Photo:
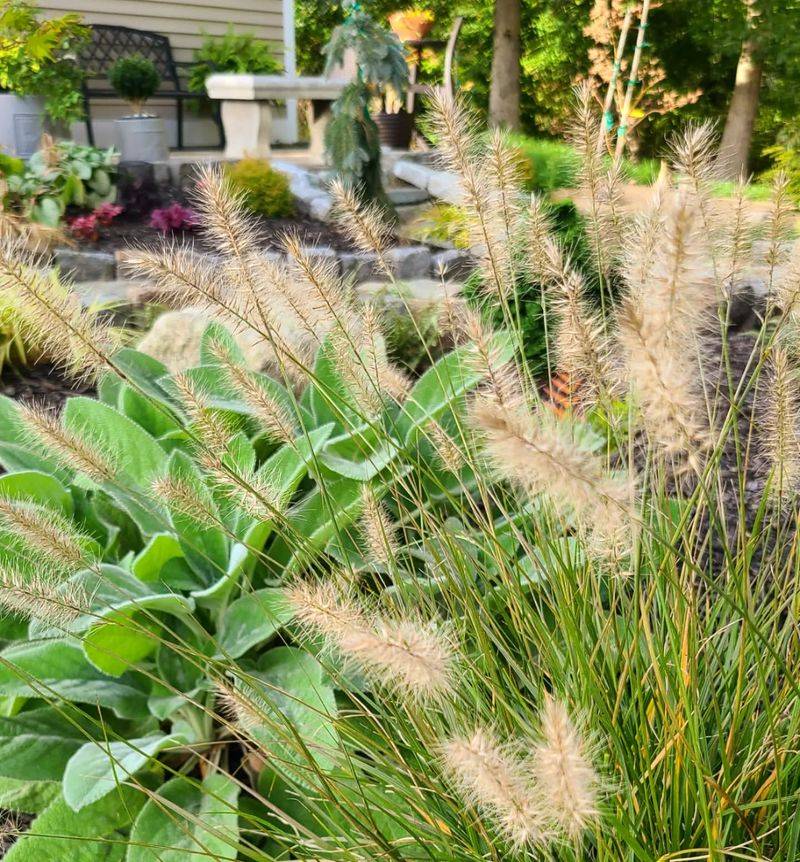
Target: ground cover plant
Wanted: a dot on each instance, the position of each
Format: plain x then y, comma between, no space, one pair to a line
335,613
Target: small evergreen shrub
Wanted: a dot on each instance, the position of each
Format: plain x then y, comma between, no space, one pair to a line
135,79
264,190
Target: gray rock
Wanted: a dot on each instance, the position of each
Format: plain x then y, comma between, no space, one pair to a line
412,173
359,267
446,186
455,263
320,207
86,265
410,261
401,197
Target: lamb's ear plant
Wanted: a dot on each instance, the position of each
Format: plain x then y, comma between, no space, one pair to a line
333,613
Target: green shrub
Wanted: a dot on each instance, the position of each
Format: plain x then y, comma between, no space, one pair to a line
442,223
11,166
37,58
61,175
264,190
232,52
135,79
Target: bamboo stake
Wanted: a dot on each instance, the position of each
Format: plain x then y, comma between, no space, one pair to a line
608,117
622,131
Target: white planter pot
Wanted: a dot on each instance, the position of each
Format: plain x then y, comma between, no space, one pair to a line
142,139
21,124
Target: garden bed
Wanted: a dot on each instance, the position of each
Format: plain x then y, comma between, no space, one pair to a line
43,384
125,232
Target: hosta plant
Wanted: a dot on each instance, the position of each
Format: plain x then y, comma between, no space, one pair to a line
333,613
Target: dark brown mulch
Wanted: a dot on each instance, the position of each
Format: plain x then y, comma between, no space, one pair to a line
11,824
42,384
124,233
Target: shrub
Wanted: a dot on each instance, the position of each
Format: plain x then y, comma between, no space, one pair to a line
37,58
233,52
135,79
337,613
62,175
264,190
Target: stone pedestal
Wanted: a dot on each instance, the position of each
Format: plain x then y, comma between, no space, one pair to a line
246,113
248,127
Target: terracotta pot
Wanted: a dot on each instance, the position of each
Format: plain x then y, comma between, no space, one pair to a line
394,130
410,25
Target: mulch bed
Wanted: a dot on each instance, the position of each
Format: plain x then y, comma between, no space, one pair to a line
42,384
126,232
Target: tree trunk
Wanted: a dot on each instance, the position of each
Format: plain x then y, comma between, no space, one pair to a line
505,87
738,133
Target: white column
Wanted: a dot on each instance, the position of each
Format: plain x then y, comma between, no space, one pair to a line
290,67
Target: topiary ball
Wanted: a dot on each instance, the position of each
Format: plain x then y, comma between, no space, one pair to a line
135,79
264,190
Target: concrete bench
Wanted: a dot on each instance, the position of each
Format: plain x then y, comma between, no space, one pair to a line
247,108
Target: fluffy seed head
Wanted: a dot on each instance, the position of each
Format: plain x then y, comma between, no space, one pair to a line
76,452
181,496
781,440
40,598
412,657
364,224
564,772
52,316
490,777
48,533
378,529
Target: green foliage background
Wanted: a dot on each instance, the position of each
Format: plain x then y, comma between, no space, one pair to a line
699,45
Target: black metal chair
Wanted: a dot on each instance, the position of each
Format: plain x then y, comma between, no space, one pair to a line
108,43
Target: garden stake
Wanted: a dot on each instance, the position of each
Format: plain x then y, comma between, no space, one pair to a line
608,116
632,82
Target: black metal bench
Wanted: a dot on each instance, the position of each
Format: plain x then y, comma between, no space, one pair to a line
108,43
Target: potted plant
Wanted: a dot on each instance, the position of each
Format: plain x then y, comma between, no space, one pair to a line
40,80
141,136
411,24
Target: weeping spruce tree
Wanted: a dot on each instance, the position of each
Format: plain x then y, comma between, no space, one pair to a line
351,138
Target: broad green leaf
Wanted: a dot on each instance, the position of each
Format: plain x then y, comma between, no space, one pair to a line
36,745
298,701
95,834
161,548
144,371
252,619
447,380
99,767
108,389
114,589
312,523
120,641
58,668
360,454
209,828
327,395
36,487
16,794
137,454
146,412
